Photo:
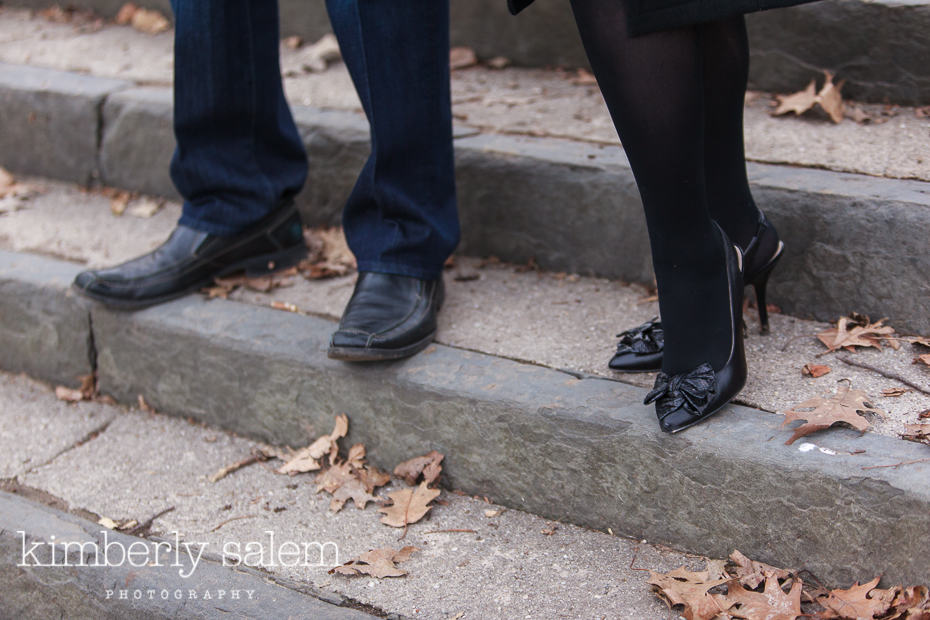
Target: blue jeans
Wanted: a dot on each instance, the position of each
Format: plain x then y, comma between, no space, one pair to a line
239,152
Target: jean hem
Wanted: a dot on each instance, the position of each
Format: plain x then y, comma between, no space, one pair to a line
400,269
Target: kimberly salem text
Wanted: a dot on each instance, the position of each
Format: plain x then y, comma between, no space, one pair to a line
114,550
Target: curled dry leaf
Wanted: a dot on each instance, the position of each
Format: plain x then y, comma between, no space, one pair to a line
583,77
858,335
814,370
689,589
87,391
825,412
144,207
13,195
923,359
329,255
307,459
751,573
799,102
859,601
409,505
917,432
462,57
429,465
124,15
379,563
828,98
772,603
149,22
895,391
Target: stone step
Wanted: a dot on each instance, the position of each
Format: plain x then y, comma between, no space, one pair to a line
878,47
854,242
561,444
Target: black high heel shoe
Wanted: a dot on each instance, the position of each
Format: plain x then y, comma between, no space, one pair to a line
687,398
639,351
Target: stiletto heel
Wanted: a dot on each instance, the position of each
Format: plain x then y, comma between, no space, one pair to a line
759,282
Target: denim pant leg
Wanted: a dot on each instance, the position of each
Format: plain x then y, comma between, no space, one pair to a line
238,151
401,217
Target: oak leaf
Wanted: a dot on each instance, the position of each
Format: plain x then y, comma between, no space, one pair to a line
855,602
690,590
815,370
894,392
429,465
772,603
751,573
825,412
328,255
409,505
87,391
830,99
923,359
379,563
799,102
307,459
869,335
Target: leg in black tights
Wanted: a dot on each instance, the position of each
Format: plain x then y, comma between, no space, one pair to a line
654,88
726,72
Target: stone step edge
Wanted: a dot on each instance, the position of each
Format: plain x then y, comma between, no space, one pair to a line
35,583
583,450
570,206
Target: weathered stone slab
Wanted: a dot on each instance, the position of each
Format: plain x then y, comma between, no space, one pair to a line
44,331
138,141
49,121
71,584
581,450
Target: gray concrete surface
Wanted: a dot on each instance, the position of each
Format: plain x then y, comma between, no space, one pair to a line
877,46
36,428
46,584
45,333
552,319
507,567
50,121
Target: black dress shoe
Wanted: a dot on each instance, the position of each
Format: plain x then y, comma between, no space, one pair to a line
759,259
388,317
190,260
687,398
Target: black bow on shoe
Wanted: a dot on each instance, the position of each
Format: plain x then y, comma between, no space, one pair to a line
688,392
647,338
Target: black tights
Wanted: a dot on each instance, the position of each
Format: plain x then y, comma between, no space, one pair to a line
676,99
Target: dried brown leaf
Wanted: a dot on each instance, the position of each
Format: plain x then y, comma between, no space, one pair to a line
690,590
429,465
462,57
87,391
307,459
799,102
917,432
815,370
379,563
124,15
923,359
149,21
830,99
409,505
895,391
856,602
292,42
499,62
825,412
772,603
329,255
751,573
842,336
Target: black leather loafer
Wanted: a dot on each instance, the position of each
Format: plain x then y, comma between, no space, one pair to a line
388,317
190,259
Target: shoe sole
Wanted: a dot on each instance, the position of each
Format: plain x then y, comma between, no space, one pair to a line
253,267
368,354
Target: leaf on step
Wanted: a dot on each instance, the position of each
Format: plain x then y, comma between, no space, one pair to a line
263,284
119,202
307,459
917,432
429,465
772,603
149,21
379,563
825,412
409,505
14,195
830,99
583,77
329,255
87,391
894,392
923,359
848,334
859,601
125,13
751,573
799,102
922,341
462,57
690,590
814,370
144,207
